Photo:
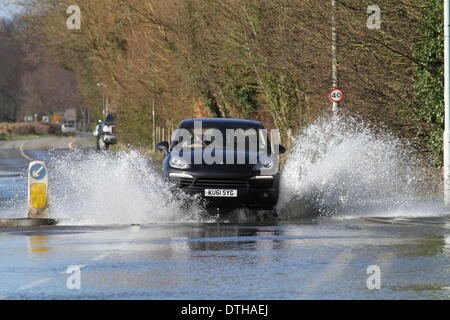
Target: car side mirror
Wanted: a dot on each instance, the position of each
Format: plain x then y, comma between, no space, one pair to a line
281,149
163,146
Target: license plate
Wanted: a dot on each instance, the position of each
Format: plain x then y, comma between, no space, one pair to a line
224,193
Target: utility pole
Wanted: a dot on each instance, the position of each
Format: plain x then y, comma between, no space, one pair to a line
104,99
106,105
447,102
154,126
334,53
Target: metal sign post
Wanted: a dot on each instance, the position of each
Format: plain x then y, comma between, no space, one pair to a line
447,102
334,49
153,126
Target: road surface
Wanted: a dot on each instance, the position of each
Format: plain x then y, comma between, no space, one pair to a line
343,257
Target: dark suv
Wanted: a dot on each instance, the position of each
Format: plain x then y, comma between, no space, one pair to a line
228,162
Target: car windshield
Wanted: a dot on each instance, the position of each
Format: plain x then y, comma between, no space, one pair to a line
222,136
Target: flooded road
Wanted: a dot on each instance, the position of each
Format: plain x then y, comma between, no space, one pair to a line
311,259
123,254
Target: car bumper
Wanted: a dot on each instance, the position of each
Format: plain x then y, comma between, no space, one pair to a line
255,195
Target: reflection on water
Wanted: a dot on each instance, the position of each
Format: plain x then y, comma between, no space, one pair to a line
321,258
37,244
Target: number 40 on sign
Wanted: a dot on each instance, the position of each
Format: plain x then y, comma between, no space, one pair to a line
336,95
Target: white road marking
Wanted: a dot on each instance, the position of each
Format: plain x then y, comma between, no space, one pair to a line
36,173
384,261
102,256
133,231
34,284
23,153
334,269
106,254
338,265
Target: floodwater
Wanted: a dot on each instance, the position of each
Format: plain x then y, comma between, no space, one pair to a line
122,235
310,259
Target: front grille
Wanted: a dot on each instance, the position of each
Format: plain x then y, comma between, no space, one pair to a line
261,184
221,183
182,182
186,182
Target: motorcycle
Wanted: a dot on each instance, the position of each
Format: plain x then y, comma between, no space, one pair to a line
105,133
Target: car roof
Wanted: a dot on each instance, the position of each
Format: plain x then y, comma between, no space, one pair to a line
225,121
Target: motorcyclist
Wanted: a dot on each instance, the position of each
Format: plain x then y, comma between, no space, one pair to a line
105,137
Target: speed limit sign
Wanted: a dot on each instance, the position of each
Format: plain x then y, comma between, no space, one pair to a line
336,95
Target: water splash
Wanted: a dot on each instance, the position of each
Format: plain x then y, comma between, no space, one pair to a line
339,166
93,188
13,195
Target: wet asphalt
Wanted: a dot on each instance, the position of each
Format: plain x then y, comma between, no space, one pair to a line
343,257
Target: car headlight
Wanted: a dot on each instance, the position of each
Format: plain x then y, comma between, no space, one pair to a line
264,163
179,163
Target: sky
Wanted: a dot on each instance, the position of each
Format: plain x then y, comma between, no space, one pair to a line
7,9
